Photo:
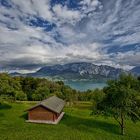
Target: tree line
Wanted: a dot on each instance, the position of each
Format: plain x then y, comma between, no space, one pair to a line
36,89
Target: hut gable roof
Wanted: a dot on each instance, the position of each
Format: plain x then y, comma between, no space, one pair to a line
52,103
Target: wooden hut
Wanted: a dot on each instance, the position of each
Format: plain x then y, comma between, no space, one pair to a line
47,111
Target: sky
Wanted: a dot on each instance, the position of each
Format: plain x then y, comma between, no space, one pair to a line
35,33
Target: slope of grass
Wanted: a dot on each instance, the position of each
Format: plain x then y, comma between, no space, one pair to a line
77,124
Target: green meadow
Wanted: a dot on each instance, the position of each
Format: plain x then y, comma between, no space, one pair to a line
77,124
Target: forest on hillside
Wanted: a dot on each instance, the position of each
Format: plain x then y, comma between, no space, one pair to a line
36,89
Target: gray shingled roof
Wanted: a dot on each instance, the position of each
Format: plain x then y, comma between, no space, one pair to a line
53,103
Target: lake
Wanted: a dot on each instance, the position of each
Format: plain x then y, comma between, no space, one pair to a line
84,85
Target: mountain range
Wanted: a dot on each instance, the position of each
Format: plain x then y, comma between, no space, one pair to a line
135,70
80,71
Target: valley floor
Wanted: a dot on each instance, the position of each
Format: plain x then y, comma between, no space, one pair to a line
77,124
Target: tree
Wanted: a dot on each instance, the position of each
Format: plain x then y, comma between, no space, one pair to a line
121,100
29,85
36,97
41,93
97,96
6,98
20,95
8,85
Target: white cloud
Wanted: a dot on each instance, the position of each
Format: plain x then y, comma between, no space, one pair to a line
35,7
82,34
90,5
128,39
45,54
69,53
42,7
131,58
66,15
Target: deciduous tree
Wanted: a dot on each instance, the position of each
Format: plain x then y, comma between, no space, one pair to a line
121,100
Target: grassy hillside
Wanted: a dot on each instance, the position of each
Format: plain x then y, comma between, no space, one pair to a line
77,124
